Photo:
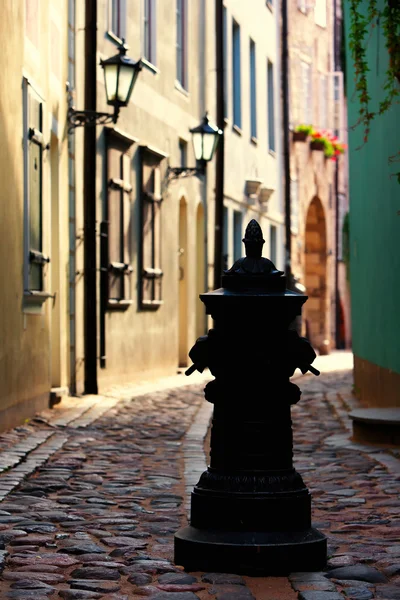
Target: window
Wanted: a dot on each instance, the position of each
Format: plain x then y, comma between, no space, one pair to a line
117,18
151,200
149,31
183,153
225,65
253,99
115,230
272,243
237,235
271,107
181,42
323,102
237,102
35,260
337,94
225,252
306,93
320,12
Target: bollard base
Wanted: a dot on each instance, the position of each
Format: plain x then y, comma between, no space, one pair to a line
250,553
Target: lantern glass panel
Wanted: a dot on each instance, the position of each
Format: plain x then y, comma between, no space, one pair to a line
111,81
209,142
198,145
126,79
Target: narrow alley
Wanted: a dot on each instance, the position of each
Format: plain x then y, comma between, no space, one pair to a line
91,497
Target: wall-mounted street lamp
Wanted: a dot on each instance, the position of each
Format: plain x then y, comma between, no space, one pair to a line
205,139
120,74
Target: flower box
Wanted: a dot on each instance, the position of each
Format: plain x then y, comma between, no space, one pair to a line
300,136
252,186
265,194
317,145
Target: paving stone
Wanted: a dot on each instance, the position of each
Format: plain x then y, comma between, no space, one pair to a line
388,592
124,541
140,578
41,568
175,596
95,586
78,595
223,578
152,567
358,593
341,561
101,573
83,548
312,595
179,578
318,585
359,572
26,595
59,560
231,592
45,577
353,583
32,584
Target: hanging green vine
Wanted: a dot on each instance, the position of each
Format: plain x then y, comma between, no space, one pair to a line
364,17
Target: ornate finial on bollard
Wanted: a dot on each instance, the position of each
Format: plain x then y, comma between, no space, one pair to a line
253,270
253,240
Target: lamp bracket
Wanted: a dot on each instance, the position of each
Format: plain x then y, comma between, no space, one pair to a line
178,172
83,118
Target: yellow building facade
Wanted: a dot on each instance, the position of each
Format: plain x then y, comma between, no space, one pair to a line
34,206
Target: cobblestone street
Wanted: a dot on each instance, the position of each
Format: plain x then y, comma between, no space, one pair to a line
93,491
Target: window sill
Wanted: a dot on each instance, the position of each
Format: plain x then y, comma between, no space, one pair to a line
272,153
254,140
150,67
269,6
33,301
114,38
119,304
237,129
151,304
181,89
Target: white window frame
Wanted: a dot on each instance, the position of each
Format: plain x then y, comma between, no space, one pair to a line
271,106
32,299
253,89
149,54
236,76
182,43
118,33
337,99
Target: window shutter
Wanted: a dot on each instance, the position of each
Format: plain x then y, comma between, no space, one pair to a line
35,187
151,286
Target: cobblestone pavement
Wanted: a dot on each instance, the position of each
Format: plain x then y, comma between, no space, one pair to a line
92,493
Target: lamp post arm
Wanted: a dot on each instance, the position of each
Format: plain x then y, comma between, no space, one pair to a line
81,118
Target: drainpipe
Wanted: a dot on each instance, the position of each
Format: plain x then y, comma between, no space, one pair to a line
286,140
89,204
219,166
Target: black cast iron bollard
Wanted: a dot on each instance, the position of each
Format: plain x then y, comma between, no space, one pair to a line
251,511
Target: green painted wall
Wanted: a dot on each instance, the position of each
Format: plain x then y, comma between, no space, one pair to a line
374,217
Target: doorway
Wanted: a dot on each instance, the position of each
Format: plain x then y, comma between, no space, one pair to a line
200,272
183,292
316,275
